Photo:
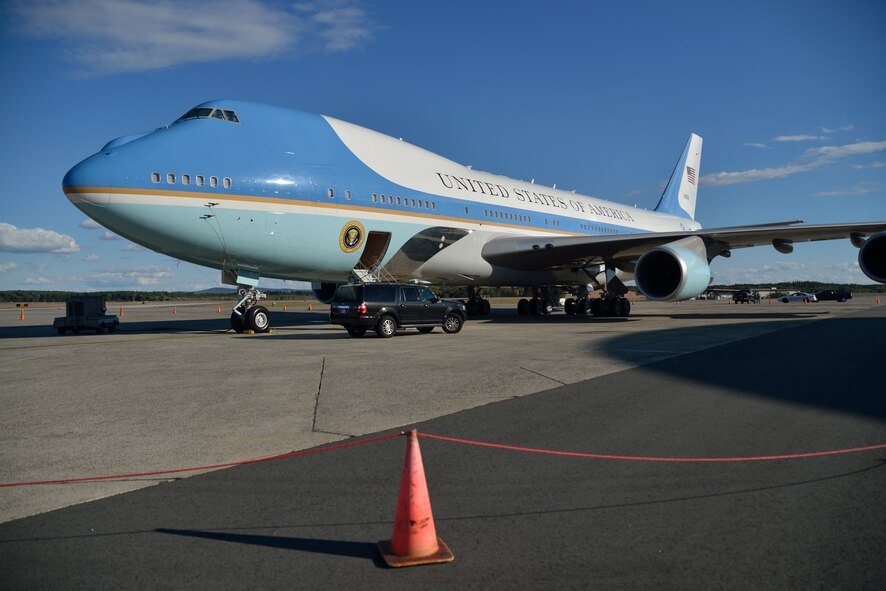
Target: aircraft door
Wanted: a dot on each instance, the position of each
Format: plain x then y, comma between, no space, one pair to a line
374,250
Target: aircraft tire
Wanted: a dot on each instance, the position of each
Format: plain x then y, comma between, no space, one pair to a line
569,306
523,307
236,322
258,319
537,306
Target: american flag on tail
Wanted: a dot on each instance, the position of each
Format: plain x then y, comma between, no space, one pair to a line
690,174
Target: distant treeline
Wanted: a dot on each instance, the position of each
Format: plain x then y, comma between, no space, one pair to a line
443,291
139,296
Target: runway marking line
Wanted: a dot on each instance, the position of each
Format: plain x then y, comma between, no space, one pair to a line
552,452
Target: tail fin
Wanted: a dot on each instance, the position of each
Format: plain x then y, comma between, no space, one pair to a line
679,196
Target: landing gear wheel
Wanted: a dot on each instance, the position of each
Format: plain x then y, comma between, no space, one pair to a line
258,319
425,329
356,331
569,306
523,307
236,322
597,307
537,306
452,323
386,327
625,307
583,306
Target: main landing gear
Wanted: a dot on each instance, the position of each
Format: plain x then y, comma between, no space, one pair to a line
246,315
542,303
605,306
476,304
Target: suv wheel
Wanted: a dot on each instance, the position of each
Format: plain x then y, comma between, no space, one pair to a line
452,323
386,327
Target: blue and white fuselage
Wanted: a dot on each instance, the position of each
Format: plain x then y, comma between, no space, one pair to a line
278,186
262,191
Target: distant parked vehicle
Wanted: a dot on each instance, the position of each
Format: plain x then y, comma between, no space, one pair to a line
799,296
841,295
745,296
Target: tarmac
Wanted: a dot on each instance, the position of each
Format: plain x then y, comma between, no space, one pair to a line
695,379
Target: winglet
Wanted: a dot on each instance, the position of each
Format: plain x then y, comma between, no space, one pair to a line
679,196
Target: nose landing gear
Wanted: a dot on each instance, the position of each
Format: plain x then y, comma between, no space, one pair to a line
246,315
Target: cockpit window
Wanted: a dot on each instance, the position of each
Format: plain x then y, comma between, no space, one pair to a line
207,113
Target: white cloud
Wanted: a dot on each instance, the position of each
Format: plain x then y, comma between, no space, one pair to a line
143,276
813,157
132,246
755,145
859,189
37,280
797,138
108,235
90,224
6,267
871,165
14,239
113,36
91,258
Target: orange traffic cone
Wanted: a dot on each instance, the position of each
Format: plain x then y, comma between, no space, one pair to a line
121,312
174,311
414,540
878,301
22,317
770,301
310,307
219,309
284,307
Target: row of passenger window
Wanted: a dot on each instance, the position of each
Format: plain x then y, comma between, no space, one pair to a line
597,229
506,215
199,180
404,201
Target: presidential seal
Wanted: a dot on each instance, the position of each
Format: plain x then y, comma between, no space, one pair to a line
351,236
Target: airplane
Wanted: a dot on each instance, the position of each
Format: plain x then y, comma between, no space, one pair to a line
260,191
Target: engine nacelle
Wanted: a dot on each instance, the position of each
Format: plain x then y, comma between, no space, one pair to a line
675,271
872,257
324,291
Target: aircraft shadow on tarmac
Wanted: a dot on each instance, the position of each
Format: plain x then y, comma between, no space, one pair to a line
835,364
334,547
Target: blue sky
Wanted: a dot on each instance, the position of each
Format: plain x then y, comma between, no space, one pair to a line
597,97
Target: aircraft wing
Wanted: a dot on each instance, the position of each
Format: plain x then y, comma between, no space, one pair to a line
532,253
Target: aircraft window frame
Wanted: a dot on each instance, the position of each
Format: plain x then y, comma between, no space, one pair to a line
186,179
347,195
398,201
213,181
227,182
155,177
231,116
433,205
200,180
217,114
375,197
170,178
330,193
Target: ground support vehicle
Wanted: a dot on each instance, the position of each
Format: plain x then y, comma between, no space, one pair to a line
85,313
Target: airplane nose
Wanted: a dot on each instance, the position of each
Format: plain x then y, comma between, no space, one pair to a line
85,186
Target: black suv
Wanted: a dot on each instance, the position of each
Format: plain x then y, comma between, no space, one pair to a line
746,296
386,307
841,295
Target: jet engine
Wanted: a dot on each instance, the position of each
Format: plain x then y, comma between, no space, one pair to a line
324,291
675,271
872,257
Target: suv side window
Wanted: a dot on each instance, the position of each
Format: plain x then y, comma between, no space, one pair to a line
409,294
426,294
380,293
